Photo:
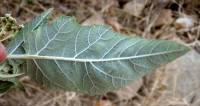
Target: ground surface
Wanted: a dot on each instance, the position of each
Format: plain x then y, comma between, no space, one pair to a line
177,20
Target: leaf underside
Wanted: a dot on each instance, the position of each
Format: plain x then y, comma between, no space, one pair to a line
89,59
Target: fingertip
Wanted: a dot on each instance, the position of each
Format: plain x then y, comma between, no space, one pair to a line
2,53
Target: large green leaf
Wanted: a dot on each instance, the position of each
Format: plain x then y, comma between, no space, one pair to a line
90,59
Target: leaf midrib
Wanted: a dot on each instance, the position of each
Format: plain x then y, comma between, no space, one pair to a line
28,56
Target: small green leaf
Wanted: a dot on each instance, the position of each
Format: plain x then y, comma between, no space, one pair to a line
5,85
89,59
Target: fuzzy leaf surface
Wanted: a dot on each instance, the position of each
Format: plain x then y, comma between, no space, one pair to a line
89,59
